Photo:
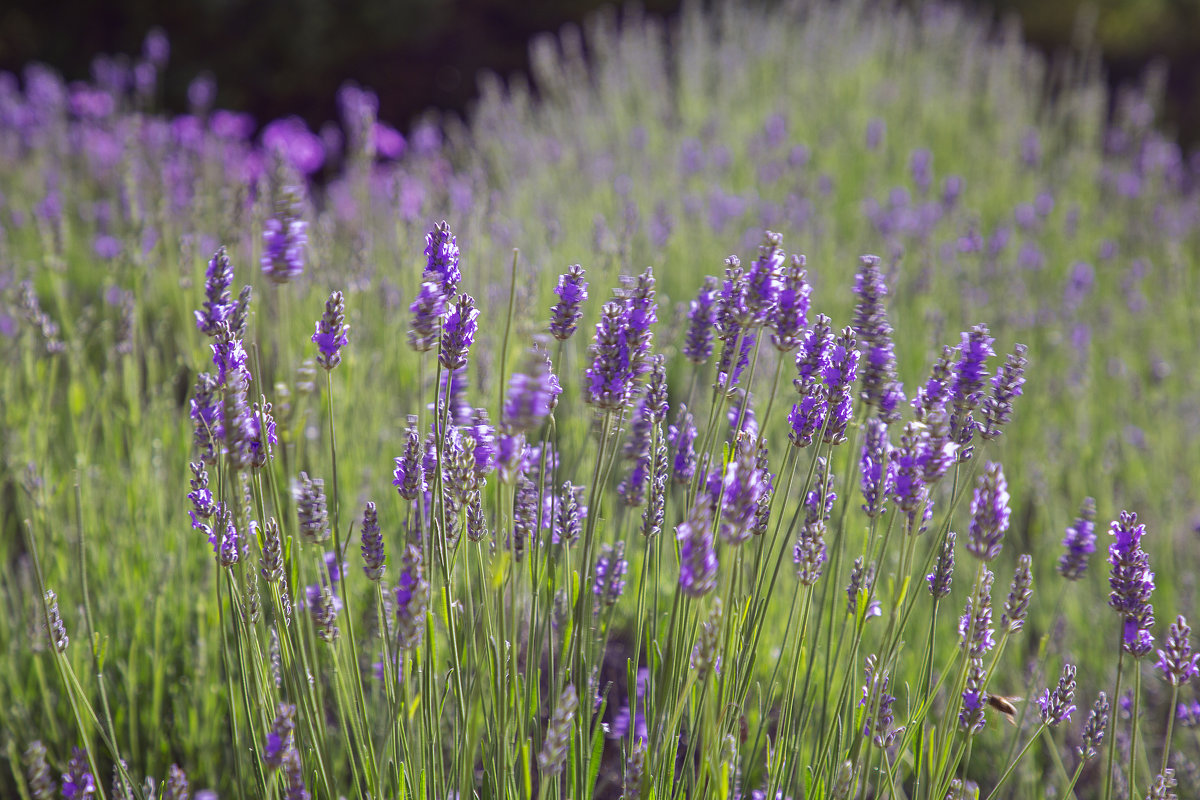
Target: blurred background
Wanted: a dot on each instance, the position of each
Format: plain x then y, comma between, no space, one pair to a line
278,57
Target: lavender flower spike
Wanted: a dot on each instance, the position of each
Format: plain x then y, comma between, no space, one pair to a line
1080,542
1094,729
702,316
1006,387
791,311
874,331
943,573
281,737
553,755
1058,705
427,309
609,375
374,558
441,250
284,238
1132,582
697,558
571,291
989,514
330,336
458,334
1016,608
1177,662
218,303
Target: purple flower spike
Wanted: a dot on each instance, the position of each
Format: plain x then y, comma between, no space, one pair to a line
441,248
702,316
642,312
1058,705
972,718
412,599
975,625
610,574
791,310
989,514
807,416
839,377
874,331
682,438
458,334
78,782
427,309
529,397
281,737
330,336
812,357
571,291
1132,582
742,487
970,373
764,279
1079,543
875,469
609,375
374,557
1177,662
697,558
942,576
218,302
284,238
1006,387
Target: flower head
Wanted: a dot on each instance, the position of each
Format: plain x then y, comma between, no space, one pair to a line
571,291
1132,582
441,250
458,332
1178,664
702,316
1079,543
697,557
989,514
1058,705
330,336
218,302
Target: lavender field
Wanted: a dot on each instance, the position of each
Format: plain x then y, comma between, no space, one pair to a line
799,404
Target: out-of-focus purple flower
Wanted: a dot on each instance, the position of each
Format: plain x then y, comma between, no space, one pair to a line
702,316
697,557
458,332
206,418
1132,583
952,188
1079,543
741,488
37,772
920,164
637,449
1188,714
293,770
740,415
553,755
839,377
975,625
1178,664
291,139
284,239
156,48
1006,387
610,571
571,291
78,782
281,736
943,572
412,599
706,654
989,514
484,434
218,303
427,309
311,509
642,313
937,452
876,128
525,515
791,309
442,266
1016,607
875,468
529,397
389,142
610,375
330,336
682,438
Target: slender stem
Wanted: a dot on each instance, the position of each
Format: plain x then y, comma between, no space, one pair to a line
1112,722
1012,766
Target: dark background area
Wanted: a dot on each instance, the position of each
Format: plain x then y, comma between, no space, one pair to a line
279,57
